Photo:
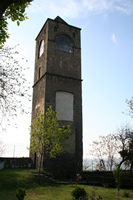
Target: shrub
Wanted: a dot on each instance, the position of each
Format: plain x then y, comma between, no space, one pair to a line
79,193
20,194
93,195
105,185
126,194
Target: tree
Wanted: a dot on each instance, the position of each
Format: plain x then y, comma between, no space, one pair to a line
2,147
105,151
117,172
47,136
130,105
129,151
101,165
86,164
125,136
14,88
14,10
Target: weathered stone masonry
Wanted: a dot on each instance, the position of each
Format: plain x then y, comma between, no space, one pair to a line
58,69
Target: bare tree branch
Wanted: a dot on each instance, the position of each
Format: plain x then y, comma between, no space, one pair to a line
14,88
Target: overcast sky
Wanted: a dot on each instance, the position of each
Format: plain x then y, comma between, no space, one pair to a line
107,63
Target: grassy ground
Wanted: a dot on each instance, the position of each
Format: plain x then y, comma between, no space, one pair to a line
11,179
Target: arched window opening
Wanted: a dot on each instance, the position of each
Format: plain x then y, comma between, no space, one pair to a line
41,48
55,29
64,43
37,108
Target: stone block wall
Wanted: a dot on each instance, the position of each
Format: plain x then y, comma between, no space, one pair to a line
15,163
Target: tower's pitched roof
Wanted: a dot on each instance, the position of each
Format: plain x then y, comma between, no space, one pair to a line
59,19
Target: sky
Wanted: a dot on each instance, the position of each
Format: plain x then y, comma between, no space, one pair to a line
107,64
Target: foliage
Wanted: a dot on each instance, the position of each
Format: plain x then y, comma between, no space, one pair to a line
14,10
105,149
117,172
79,193
126,194
86,164
47,136
2,147
130,105
105,185
14,88
101,165
125,136
93,195
20,194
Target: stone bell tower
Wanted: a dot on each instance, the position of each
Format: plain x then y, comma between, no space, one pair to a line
57,82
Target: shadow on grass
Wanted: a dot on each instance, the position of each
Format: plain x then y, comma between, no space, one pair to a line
11,179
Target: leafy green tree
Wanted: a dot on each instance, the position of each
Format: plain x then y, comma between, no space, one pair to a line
128,153
117,172
14,10
47,136
14,87
125,136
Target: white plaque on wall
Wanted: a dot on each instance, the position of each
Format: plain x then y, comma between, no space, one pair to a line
64,105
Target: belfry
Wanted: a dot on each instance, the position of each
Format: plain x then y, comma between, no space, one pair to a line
57,82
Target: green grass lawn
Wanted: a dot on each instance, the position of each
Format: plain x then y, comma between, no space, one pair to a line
11,179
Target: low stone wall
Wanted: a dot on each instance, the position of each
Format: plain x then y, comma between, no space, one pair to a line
106,178
15,163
